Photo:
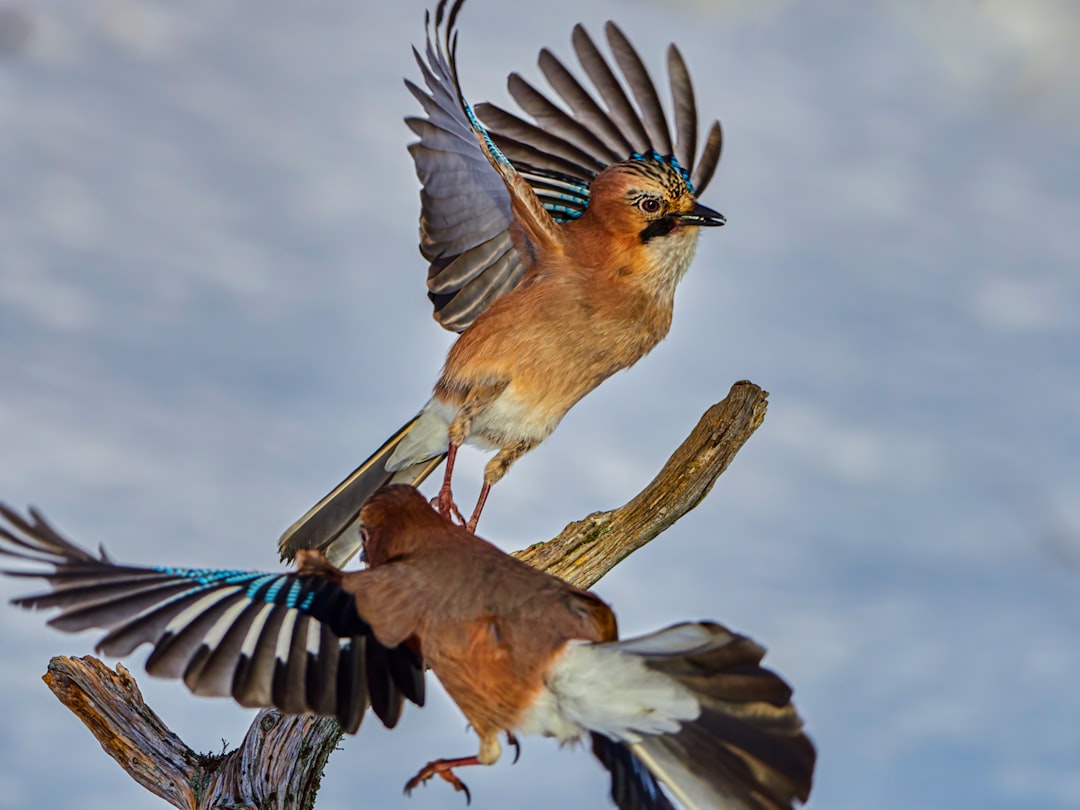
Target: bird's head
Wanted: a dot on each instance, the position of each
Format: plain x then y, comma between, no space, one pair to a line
649,196
397,521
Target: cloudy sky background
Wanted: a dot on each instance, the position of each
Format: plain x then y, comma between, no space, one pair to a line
212,307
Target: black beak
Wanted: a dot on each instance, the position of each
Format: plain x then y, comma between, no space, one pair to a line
702,215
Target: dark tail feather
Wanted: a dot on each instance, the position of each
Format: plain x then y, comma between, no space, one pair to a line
747,748
330,525
633,787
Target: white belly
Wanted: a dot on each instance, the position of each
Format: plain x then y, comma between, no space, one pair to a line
429,437
507,420
602,688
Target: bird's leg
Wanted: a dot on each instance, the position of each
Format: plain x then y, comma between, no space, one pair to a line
475,402
444,502
456,434
444,768
496,469
484,490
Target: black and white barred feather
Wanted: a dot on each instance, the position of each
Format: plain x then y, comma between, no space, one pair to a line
287,640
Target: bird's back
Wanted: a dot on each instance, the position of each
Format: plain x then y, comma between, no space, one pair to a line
490,643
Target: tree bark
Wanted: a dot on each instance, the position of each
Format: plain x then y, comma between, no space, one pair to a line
279,764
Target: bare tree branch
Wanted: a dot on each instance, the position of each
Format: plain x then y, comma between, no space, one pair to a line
279,764
587,549
112,707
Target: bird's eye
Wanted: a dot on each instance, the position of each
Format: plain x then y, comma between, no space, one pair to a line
650,205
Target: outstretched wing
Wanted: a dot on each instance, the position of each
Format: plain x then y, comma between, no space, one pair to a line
292,641
471,193
473,177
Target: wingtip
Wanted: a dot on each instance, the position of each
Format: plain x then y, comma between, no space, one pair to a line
12,516
580,36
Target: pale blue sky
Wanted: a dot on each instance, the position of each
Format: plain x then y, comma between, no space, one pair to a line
212,307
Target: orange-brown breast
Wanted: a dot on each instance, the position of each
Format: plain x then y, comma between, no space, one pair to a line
573,322
483,668
490,643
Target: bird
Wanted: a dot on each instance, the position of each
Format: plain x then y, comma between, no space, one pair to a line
555,248
519,651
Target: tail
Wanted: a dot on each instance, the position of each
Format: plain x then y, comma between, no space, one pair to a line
745,749
633,787
330,525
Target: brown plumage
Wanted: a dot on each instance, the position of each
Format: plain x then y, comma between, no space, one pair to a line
490,638
555,247
519,651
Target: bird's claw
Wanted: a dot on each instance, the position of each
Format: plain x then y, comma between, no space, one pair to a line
457,514
512,740
444,503
443,768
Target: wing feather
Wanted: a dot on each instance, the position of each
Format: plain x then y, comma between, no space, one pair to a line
477,178
295,641
641,85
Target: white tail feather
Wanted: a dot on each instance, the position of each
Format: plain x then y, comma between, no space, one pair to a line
598,687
